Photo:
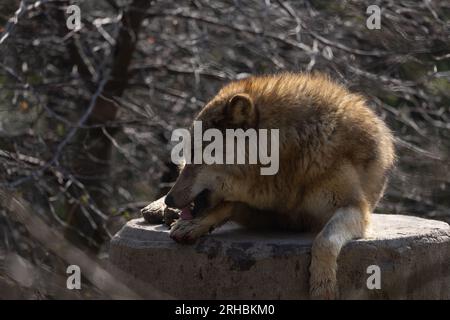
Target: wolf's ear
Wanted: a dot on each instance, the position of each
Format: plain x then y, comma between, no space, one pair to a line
241,111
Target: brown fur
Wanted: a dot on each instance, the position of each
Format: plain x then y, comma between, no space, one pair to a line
335,154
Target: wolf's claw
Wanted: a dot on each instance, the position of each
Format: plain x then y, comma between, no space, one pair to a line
186,231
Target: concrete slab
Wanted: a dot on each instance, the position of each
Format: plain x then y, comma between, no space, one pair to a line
413,255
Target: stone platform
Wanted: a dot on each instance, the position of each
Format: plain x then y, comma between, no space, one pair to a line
413,255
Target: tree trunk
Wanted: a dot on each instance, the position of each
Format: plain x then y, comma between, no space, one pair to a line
92,160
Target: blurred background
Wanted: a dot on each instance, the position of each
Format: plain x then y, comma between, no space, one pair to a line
86,115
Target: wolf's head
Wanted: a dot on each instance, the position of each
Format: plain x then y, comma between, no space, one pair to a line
202,186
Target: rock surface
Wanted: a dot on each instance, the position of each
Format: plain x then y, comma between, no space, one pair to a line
413,255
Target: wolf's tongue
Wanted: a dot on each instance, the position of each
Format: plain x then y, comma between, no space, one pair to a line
186,214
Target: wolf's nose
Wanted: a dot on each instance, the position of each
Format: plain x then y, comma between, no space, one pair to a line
169,201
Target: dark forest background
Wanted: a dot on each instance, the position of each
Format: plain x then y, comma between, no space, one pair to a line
86,116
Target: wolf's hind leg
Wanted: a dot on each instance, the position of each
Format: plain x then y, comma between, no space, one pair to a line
187,231
347,223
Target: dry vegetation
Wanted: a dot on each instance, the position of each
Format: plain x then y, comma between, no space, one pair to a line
86,116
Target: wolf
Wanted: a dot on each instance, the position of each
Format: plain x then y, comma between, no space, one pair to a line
335,155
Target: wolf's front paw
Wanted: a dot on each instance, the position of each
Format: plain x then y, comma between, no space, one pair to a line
187,231
157,212
322,289
322,283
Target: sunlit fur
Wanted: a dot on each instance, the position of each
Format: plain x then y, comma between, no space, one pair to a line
335,155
